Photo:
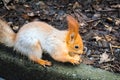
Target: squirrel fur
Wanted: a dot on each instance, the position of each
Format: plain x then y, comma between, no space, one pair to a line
35,37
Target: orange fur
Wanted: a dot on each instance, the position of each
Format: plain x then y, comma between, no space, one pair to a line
35,37
40,61
73,26
37,59
73,37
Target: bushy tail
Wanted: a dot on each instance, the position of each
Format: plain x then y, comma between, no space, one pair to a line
7,36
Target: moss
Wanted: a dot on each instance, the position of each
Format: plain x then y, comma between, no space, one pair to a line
17,67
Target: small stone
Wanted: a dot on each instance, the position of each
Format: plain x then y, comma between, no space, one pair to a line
88,52
30,14
96,16
15,28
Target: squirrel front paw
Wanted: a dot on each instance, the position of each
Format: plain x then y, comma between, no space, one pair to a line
76,59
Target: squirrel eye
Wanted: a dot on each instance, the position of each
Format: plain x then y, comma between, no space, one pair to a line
76,46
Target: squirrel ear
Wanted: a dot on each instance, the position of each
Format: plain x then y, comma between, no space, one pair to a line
72,38
73,28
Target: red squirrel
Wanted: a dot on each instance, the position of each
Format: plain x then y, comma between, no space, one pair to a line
35,37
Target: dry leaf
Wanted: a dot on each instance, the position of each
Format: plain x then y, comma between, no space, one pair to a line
27,6
117,22
116,6
97,38
104,58
108,37
76,5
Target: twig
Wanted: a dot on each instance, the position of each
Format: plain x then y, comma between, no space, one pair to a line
93,20
116,67
111,49
116,46
5,5
110,46
3,15
111,10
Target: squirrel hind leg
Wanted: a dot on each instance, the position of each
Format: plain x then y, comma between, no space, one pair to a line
36,55
40,61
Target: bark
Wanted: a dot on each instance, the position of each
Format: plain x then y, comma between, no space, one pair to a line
17,67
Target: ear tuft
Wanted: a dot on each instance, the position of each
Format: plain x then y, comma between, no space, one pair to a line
73,28
72,37
72,23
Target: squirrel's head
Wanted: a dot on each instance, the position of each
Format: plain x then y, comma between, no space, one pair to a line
73,38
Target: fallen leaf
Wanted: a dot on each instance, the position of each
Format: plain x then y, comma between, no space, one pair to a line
27,6
116,6
97,38
108,37
104,58
76,5
117,22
